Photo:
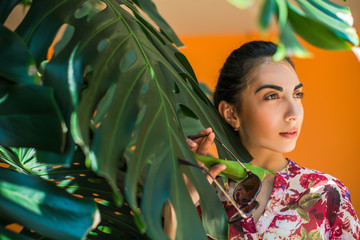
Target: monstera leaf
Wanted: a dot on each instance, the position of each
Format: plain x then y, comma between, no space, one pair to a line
118,85
116,222
44,208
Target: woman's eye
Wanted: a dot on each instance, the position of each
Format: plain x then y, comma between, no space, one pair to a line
271,96
299,95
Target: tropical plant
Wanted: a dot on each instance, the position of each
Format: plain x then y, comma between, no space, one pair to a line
105,113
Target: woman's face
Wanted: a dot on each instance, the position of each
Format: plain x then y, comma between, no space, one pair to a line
271,112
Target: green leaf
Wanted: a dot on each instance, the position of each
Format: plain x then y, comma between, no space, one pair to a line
6,6
337,11
45,16
289,45
9,235
41,206
303,233
143,89
241,3
79,180
13,50
309,200
315,235
282,12
304,215
293,206
233,169
342,29
315,32
150,9
29,117
267,11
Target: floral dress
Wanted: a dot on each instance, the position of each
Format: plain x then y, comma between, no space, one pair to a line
304,204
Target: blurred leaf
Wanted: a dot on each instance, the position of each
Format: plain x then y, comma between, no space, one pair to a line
241,3
29,117
13,49
282,13
267,11
321,14
9,235
337,11
289,46
315,32
79,180
41,206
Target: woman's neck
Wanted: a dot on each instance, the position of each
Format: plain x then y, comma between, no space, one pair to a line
272,161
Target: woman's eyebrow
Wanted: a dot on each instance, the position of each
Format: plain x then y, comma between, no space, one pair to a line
280,89
270,86
300,85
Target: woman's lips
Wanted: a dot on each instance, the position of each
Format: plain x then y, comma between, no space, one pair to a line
290,134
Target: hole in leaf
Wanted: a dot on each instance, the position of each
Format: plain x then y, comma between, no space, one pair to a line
170,216
77,195
89,9
14,227
145,88
102,44
118,213
62,38
76,163
95,194
4,165
58,166
127,9
82,175
187,112
127,61
177,89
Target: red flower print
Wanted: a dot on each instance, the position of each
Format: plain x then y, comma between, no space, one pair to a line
337,231
314,179
333,202
294,170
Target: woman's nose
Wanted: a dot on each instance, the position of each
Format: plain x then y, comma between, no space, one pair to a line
294,110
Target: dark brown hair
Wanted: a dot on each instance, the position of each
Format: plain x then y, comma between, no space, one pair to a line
235,73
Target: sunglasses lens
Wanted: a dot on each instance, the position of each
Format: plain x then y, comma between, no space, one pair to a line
249,209
247,189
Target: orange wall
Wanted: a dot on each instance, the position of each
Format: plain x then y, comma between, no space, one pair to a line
330,136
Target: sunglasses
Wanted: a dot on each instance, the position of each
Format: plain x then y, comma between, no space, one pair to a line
245,192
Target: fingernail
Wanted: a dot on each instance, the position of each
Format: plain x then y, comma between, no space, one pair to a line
191,142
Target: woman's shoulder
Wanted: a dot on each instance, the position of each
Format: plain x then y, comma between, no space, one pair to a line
308,178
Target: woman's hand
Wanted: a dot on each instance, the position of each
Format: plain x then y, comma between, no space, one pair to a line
201,146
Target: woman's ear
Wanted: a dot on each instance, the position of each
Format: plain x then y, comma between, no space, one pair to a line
229,113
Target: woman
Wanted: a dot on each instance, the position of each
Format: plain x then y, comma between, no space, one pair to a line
261,100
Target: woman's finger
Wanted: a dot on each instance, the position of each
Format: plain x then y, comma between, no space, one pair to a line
192,145
204,146
204,132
